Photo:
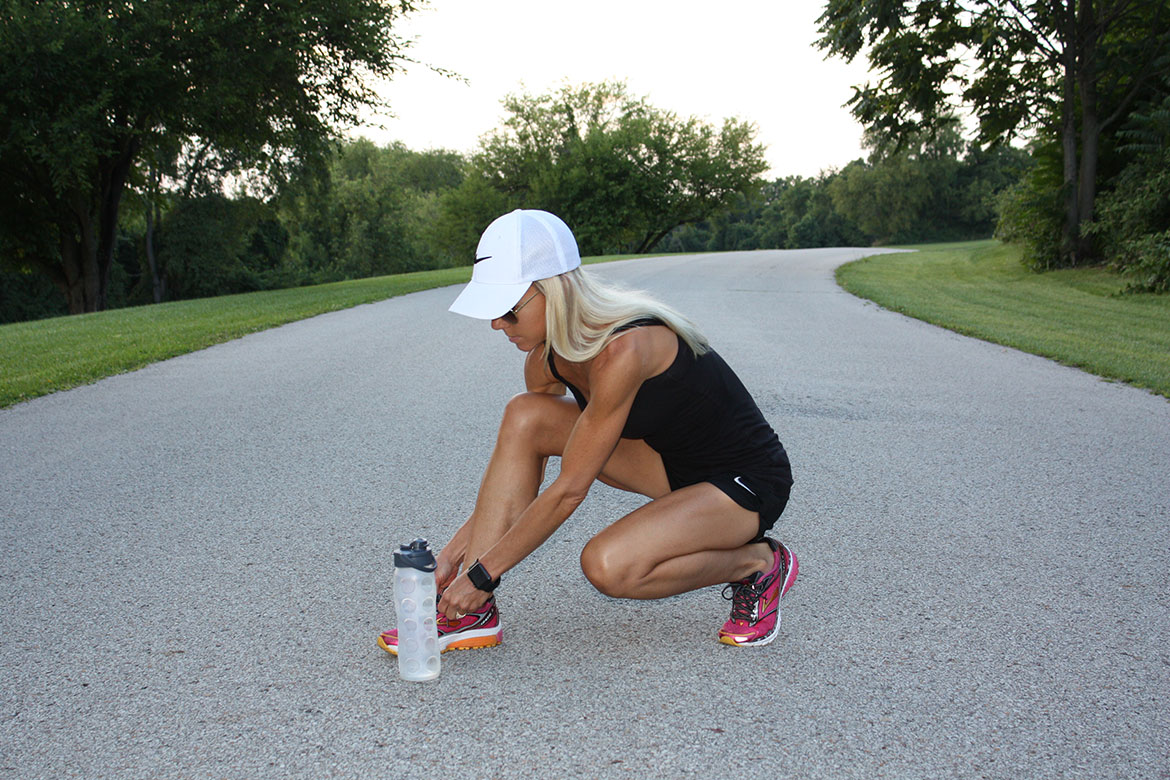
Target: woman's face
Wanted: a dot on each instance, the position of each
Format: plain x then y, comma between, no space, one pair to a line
524,324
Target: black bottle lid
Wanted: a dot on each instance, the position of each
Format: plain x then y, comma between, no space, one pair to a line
416,555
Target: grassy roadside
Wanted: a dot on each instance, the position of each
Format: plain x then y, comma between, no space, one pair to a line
1075,316
976,288
44,356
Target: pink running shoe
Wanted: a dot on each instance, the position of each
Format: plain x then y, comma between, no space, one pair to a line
755,602
475,629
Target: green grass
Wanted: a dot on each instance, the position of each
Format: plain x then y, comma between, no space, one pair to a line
1078,316
44,356
978,288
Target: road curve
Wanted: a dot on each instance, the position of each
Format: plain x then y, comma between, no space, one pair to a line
196,561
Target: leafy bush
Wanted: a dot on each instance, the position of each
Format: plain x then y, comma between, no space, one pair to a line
1146,260
1031,216
217,246
26,295
1133,219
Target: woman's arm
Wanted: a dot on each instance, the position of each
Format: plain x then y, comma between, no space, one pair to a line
449,559
537,379
615,378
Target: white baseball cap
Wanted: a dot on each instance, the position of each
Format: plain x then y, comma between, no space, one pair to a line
519,248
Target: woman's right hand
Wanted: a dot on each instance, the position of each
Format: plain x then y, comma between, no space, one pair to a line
446,570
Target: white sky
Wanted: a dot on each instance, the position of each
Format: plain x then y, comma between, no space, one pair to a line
752,59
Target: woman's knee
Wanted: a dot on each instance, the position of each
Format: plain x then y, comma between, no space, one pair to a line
604,567
534,417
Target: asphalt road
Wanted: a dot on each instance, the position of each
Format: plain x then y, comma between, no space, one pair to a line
197,561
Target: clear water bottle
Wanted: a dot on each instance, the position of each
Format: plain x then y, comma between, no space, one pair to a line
414,601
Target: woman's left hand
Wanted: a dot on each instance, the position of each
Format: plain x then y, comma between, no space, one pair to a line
461,597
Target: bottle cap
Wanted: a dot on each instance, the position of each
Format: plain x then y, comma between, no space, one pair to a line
416,555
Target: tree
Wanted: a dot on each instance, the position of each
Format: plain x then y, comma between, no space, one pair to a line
801,214
1072,67
621,172
1135,224
886,200
88,87
373,212
934,188
212,245
176,170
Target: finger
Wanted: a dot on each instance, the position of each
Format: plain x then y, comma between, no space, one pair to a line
445,576
448,608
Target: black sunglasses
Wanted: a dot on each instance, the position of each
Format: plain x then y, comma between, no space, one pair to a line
510,315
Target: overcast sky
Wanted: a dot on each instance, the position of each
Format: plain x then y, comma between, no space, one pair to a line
752,59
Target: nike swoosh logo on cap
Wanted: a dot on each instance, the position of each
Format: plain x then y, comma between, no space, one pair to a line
486,257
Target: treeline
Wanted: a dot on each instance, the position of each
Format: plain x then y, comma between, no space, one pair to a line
621,171
383,210
168,150
370,212
939,192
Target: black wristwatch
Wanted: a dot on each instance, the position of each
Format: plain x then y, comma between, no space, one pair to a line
481,579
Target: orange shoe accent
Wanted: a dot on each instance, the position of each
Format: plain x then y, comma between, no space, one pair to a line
475,643
472,643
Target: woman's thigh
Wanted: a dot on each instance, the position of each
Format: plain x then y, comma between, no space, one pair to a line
688,539
546,421
692,519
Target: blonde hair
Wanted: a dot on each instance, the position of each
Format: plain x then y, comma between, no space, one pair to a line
581,315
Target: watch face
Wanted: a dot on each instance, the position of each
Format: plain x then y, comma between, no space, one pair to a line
477,575
480,578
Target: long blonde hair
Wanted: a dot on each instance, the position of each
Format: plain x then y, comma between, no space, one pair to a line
581,315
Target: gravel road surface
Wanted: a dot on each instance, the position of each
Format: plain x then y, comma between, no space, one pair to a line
197,561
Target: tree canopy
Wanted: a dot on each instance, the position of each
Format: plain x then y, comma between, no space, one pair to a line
622,172
90,88
1071,68
374,213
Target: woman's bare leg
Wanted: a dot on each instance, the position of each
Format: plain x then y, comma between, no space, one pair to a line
692,538
536,426
680,541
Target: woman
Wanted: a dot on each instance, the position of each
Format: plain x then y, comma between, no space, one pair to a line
653,410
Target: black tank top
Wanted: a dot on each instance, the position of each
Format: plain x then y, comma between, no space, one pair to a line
699,417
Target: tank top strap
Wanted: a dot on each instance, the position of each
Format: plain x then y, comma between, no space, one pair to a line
577,394
643,322
638,323
552,367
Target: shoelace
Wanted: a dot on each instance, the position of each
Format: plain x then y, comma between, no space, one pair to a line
744,597
443,623
451,625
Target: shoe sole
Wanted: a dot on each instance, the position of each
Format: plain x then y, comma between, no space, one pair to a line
789,579
470,640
